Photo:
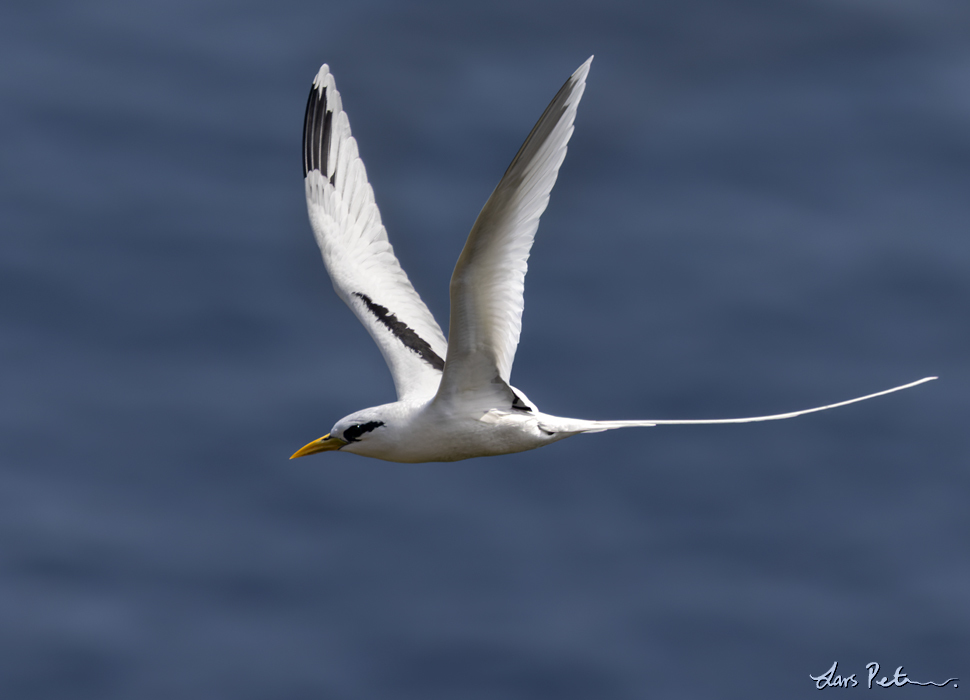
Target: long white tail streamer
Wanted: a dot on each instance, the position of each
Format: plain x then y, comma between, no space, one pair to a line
608,424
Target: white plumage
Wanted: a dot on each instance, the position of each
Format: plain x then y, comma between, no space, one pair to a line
454,397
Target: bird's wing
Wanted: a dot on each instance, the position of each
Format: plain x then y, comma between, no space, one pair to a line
489,278
361,262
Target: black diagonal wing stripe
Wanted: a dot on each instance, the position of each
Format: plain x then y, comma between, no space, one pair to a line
403,332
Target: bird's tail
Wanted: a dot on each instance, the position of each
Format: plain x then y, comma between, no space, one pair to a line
595,426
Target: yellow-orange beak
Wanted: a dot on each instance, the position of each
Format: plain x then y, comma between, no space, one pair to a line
324,444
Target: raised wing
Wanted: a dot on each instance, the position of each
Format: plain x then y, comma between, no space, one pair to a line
358,256
489,278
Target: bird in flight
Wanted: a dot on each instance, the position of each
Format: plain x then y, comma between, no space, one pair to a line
455,399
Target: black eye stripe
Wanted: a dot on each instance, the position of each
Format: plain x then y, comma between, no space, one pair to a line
353,433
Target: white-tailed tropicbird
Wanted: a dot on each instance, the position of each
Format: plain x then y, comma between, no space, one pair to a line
454,397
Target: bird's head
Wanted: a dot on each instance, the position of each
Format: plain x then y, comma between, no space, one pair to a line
349,432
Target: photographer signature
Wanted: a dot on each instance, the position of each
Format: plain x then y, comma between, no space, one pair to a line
830,679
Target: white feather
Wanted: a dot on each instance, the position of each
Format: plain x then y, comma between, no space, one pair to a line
357,253
489,279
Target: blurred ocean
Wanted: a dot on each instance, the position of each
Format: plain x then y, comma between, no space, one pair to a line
764,207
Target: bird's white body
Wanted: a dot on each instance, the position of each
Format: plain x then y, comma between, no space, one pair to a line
455,400
430,431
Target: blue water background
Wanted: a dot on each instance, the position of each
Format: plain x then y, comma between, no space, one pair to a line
765,206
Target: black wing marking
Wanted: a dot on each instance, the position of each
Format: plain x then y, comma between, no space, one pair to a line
317,132
518,404
412,341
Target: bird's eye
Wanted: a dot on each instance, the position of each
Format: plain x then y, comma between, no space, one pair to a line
353,433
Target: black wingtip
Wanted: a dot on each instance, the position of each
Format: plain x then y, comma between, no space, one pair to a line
316,131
